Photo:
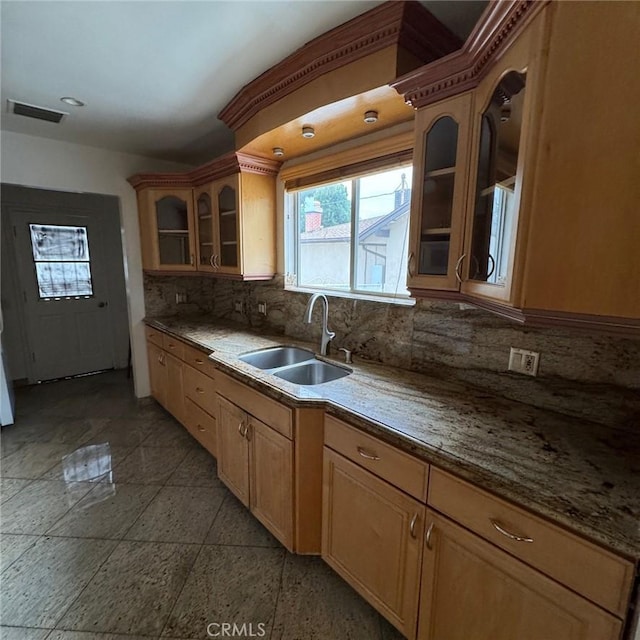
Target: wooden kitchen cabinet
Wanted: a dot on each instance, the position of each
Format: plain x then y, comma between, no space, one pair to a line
218,219
372,537
509,198
471,589
167,231
158,379
256,463
174,397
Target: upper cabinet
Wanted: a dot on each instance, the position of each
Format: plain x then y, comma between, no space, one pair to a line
218,219
524,170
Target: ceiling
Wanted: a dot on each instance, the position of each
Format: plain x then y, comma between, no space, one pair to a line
154,74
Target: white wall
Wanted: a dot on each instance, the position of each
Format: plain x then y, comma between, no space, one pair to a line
50,164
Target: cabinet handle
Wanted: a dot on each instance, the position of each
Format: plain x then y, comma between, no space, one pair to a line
213,266
427,536
412,526
247,432
493,266
512,536
241,429
199,390
198,361
368,456
172,346
458,265
409,261
201,428
193,260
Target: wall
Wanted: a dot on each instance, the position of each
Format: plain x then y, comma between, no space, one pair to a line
588,375
50,164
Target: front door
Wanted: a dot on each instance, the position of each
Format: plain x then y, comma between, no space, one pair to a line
63,276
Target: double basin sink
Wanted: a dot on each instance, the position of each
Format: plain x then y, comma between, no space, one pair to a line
294,364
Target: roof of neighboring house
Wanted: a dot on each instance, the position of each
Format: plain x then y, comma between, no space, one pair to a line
342,232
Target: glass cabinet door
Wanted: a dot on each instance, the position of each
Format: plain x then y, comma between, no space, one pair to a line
172,223
495,211
204,221
227,208
442,139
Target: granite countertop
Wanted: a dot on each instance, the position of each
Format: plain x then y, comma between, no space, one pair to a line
579,474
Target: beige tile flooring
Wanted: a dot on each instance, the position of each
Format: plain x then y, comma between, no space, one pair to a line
113,523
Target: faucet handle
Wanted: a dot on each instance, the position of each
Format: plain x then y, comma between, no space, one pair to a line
347,355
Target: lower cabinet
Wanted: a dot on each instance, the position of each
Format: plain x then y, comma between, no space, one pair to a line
372,536
157,373
256,463
472,589
174,397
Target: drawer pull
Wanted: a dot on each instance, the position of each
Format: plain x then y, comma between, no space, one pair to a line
199,390
427,536
368,456
512,536
201,428
198,361
242,430
172,346
412,526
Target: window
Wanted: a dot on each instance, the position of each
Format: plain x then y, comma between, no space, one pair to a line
351,235
61,257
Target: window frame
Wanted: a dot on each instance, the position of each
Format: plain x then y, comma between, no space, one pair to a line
292,242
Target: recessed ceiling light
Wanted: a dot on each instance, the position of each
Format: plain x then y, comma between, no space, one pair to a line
278,151
370,117
74,102
308,132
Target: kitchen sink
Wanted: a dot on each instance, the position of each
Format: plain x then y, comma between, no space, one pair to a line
310,373
276,357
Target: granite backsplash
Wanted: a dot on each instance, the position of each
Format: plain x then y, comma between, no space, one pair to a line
591,375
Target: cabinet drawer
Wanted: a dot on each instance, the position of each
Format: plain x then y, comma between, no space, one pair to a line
174,346
269,411
394,466
597,574
155,336
201,426
200,389
199,360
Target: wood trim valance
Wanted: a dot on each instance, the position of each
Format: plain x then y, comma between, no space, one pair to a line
361,160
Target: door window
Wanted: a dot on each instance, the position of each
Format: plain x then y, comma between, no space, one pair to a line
61,258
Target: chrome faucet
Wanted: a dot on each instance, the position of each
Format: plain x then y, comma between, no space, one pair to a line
327,335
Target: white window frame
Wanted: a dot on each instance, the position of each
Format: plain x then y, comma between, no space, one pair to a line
291,249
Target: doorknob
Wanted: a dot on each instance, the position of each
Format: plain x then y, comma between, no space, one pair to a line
102,304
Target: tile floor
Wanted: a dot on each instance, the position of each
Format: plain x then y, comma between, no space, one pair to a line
113,523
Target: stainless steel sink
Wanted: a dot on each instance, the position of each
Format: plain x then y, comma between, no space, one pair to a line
276,357
310,373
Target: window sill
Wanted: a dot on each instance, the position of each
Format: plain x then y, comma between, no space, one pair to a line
334,293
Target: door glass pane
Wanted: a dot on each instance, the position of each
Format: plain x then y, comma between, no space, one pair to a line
440,151
205,228
494,214
228,227
382,213
61,260
173,230
324,236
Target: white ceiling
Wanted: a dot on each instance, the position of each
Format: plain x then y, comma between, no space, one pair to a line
154,74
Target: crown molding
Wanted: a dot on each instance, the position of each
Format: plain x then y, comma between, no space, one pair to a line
403,23
461,71
227,165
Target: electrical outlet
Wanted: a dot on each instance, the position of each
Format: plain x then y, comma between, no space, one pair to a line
181,298
262,308
523,361
238,307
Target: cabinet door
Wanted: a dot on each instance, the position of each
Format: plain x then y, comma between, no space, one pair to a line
175,390
372,536
438,202
205,238
233,449
227,211
471,589
272,480
157,372
172,224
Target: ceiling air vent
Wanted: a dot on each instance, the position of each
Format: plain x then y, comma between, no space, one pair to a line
31,111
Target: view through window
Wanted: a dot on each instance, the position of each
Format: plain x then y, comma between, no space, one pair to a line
352,235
